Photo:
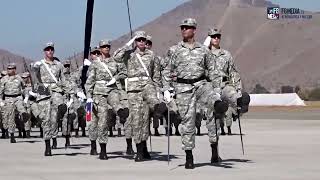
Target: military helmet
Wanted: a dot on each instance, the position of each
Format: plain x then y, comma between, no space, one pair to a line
11,66
105,42
140,34
25,75
48,44
214,31
189,22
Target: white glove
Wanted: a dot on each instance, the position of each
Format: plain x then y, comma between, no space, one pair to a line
1,104
33,94
87,62
167,96
239,94
112,81
69,103
207,41
81,95
25,101
89,100
129,43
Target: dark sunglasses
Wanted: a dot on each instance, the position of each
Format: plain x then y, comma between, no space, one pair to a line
11,68
49,49
96,53
186,27
149,43
141,40
105,46
216,36
67,66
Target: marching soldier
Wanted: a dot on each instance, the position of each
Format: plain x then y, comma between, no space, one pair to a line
12,88
3,131
51,89
230,81
141,87
101,90
189,60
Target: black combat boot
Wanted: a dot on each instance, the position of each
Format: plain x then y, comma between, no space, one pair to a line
198,131
41,132
215,156
24,134
229,130
156,132
129,147
103,152
54,143
28,134
47,152
189,160
93,148
20,133
110,132
119,132
67,141
83,132
76,133
146,154
177,133
170,131
139,155
12,139
7,134
222,131
3,131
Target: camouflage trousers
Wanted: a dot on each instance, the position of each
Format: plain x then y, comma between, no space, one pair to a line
230,95
140,102
48,111
187,108
12,104
70,119
98,127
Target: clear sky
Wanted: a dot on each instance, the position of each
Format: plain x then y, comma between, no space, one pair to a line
27,24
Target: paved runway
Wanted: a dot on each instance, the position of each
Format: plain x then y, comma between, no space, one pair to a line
286,147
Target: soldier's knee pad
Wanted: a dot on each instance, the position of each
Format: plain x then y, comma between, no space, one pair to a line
220,107
25,117
112,118
62,109
123,114
159,109
71,117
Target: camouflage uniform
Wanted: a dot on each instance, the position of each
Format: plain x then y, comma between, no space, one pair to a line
48,103
141,88
12,88
229,80
4,131
69,119
104,97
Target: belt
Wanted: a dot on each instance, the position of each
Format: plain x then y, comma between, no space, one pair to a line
190,81
15,95
104,82
142,78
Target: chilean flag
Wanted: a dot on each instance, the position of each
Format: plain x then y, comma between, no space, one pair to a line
89,111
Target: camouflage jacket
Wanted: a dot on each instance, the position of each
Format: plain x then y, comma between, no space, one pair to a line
135,69
226,68
98,76
188,64
44,77
12,85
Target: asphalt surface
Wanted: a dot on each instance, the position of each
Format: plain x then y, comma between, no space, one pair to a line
278,145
